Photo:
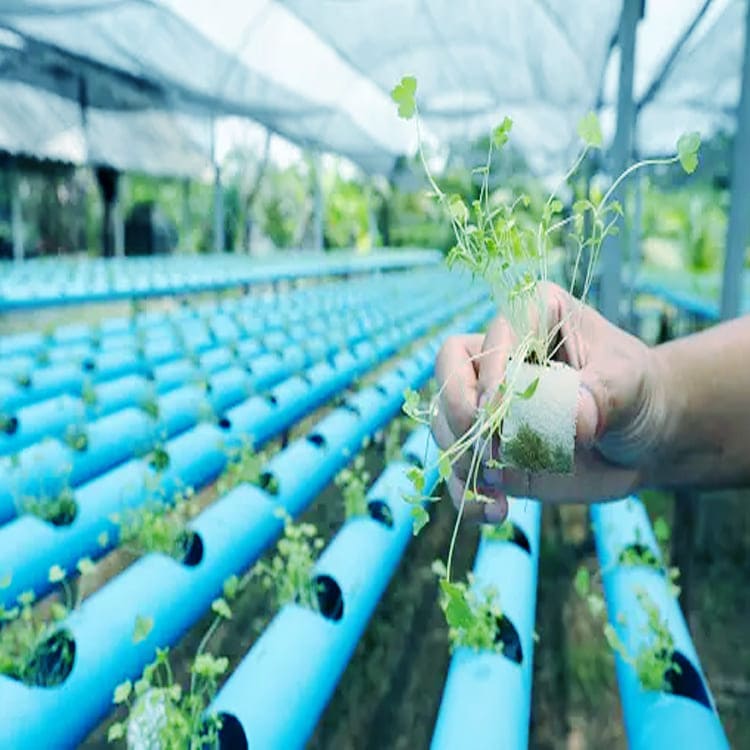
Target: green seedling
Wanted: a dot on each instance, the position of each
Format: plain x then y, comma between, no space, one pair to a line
353,485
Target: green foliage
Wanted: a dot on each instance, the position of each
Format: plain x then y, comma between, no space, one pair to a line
403,94
288,574
353,485
503,532
244,466
473,616
529,450
76,437
158,459
590,131
687,150
59,509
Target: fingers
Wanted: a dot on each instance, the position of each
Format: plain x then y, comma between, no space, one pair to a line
496,349
457,379
479,512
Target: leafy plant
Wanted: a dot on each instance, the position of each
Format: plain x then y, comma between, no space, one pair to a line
161,712
59,509
473,616
159,459
76,437
513,257
33,647
288,574
244,466
353,484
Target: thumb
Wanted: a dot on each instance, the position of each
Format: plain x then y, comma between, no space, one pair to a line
493,359
590,416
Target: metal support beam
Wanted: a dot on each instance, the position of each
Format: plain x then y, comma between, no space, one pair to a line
612,251
219,240
16,215
186,220
118,219
739,216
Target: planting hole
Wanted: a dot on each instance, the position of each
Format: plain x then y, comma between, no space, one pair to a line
379,511
9,425
88,364
350,407
640,555
51,661
269,482
192,544
381,389
508,636
685,680
231,735
225,423
150,375
330,598
317,440
272,399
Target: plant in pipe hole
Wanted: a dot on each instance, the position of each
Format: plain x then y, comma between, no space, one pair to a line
76,437
654,661
58,508
529,423
158,525
288,575
162,713
34,648
353,485
244,465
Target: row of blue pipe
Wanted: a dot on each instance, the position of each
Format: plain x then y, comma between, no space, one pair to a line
80,365
486,701
344,328
700,309
25,292
30,546
44,468
684,716
300,658
234,532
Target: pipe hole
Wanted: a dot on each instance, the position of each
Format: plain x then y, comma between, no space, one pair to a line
60,510
231,735
225,423
507,634
381,389
380,511
192,546
150,375
51,662
8,425
330,598
350,407
635,555
317,440
88,364
684,679
269,482
272,399
507,532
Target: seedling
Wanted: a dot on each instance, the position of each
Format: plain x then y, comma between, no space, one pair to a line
33,647
288,575
244,466
76,437
59,509
161,713
353,485
159,459
532,415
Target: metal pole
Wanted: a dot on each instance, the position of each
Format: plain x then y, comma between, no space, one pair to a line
739,220
219,240
612,251
16,215
635,232
118,218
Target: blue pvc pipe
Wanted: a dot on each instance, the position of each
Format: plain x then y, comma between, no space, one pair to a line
652,719
486,702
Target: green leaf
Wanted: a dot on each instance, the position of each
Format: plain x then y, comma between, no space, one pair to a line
610,634
661,530
209,666
582,581
142,629
116,732
688,145
457,612
457,209
420,518
26,598
444,467
591,131
403,94
56,574
86,566
530,390
58,611
501,133
6,580
416,476
231,587
221,608
103,539
122,692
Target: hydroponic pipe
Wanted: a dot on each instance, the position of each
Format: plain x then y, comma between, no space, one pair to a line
180,410
300,657
29,546
685,716
486,701
233,532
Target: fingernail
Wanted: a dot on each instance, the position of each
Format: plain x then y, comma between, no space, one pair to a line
496,512
493,477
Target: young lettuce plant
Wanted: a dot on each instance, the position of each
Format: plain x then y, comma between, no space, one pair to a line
353,485
162,714
531,419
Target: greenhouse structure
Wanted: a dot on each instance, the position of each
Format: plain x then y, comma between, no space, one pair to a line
239,242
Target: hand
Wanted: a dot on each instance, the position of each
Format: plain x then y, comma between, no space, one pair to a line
620,413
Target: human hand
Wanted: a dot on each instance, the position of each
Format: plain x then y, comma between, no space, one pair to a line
620,412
